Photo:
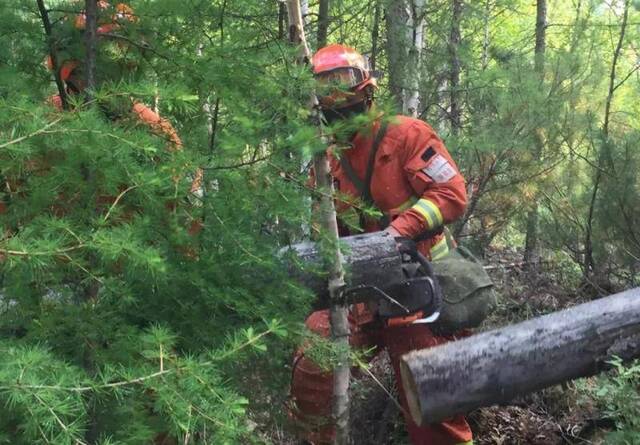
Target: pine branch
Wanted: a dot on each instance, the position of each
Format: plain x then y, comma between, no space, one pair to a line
57,419
62,252
30,135
117,200
129,382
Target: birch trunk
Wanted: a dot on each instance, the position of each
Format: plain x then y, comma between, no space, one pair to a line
415,37
405,26
327,218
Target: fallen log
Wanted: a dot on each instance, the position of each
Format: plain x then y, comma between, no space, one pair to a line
495,366
370,259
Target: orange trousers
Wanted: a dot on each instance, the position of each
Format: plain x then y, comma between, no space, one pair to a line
312,388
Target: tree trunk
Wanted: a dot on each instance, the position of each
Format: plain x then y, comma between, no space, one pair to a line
323,23
282,18
414,68
405,23
375,31
91,43
485,38
327,219
53,53
454,73
531,254
397,17
372,259
495,366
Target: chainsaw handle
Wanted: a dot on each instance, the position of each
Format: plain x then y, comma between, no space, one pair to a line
409,247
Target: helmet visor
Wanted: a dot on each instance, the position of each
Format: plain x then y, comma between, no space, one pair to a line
341,78
336,87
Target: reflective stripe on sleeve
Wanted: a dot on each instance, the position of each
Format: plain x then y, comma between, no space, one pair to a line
402,207
430,212
439,249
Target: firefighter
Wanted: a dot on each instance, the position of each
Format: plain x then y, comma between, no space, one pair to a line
111,18
73,78
71,74
416,184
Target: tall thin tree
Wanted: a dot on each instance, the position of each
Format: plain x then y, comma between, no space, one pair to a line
405,24
531,252
323,23
589,263
454,72
327,217
91,42
53,53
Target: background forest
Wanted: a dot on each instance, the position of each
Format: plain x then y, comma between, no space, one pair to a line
121,324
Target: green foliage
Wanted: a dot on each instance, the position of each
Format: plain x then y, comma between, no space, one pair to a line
120,325
618,399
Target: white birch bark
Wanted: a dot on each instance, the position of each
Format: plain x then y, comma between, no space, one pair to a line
415,32
327,218
405,31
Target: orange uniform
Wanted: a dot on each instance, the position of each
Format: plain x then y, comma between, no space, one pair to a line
158,125
415,182
418,187
146,115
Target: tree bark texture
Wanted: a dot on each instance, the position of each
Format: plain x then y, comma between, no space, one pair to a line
531,253
327,219
454,72
53,53
282,18
91,42
495,366
485,38
370,259
323,23
405,24
375,31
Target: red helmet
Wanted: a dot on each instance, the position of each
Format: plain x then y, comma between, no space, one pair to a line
345,63
345,72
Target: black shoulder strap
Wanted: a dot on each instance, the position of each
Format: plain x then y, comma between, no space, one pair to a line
364,187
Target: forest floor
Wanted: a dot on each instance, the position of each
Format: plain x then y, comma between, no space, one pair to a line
563,414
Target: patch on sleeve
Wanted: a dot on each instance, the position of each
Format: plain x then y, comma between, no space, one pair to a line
439,169
428,154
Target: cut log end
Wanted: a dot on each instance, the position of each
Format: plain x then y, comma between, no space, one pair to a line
411,392
496,366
